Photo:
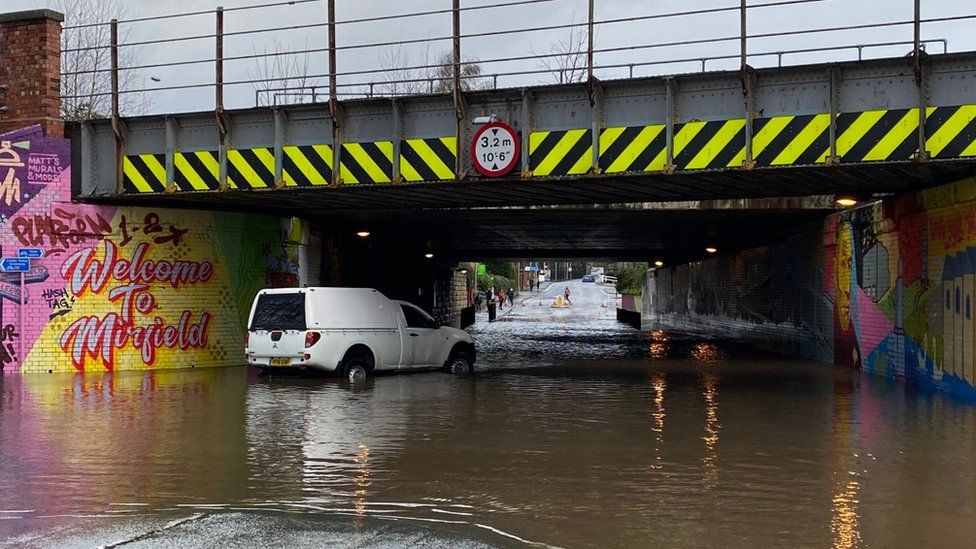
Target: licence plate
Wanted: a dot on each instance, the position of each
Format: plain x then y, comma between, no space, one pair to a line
281,362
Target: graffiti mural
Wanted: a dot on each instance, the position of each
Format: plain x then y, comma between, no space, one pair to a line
120,288
889,288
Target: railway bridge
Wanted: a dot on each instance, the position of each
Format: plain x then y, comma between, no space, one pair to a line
825,207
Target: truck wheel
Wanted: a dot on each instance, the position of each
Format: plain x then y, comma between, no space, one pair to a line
459,364
355,371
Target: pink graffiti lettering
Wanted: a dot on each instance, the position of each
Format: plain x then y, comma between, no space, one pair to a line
93,338
129,294
83,270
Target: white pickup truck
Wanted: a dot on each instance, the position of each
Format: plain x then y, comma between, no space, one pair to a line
350,331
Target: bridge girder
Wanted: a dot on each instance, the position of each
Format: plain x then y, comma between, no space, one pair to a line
879,95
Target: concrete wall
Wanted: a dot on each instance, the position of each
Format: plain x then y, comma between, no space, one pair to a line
120,288
887,288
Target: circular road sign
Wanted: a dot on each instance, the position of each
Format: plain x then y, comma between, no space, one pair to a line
495,149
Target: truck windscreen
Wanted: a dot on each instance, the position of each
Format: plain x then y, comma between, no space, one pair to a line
279,312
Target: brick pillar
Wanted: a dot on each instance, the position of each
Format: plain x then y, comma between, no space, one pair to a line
30,71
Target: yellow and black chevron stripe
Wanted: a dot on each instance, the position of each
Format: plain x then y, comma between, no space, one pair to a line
560,152
709,145
370,162
870,136
197,171
698,145
307,165
951,132
791,140
633,149
250,168
144,173
428,159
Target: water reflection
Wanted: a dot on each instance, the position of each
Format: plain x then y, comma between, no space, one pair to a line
362,479
570,455
844,521
658,346
707,352
658,384
712,427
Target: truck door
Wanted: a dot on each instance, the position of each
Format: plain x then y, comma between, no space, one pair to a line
421,339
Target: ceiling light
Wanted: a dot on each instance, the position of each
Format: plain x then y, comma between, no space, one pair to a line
711,250
846,201
429,255
362,234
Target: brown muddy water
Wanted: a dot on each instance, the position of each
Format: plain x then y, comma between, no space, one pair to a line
575,432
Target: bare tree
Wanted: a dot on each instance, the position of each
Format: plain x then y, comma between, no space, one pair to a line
404,77
284,77
566,58
399,77
86,79
443,74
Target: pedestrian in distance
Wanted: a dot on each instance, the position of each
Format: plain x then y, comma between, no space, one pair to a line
531,285
511,297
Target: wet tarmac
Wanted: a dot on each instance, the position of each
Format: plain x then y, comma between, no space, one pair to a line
575,432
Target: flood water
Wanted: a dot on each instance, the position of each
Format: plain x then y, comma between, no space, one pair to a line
575,432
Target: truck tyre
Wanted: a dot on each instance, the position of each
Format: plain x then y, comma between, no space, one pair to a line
459,364
355,369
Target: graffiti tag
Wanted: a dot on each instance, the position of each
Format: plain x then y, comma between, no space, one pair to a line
152,226
8,334
59,231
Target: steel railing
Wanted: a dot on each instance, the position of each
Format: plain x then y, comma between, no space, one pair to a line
590,61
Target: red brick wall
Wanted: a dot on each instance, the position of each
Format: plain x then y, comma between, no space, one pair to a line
30,71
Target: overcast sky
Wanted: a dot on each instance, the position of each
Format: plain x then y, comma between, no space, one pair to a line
826,13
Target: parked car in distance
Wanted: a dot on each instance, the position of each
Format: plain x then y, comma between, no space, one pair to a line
352,332
589,278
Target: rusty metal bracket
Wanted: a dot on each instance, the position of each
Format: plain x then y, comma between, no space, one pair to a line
117,125
335,110
597,121
459,103
338,119
172,146
834,78
526,129
671,119
918,57
749,86
280,138
397,136
220,116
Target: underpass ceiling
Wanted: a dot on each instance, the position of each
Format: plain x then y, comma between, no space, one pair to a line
672,235
481,219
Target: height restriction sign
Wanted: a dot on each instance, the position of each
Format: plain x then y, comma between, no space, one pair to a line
495,149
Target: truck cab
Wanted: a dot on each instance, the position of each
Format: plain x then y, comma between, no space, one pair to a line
352,332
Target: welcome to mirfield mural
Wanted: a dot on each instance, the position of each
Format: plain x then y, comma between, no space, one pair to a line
118,287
